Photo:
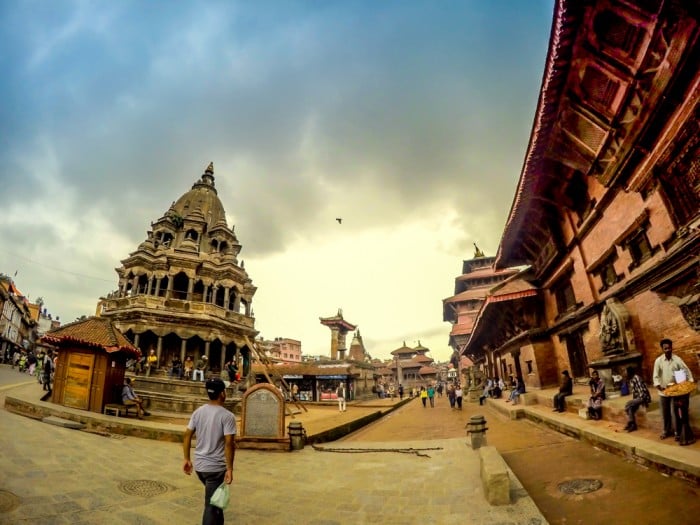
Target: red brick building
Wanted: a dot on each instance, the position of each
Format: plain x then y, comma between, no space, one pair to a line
606,214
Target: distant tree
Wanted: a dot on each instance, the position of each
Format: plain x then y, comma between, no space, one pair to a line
81,318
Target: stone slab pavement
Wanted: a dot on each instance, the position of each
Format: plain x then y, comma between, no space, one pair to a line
55,475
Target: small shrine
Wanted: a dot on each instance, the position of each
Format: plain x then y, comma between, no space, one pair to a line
617,343
91,363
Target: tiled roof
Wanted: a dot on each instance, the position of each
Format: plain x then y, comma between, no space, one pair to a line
514,286
95,332
427,370
463,328
468,295
480,273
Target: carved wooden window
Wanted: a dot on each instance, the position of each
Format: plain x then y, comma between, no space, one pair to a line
618,33
577,196
598,87
564,293
682,187
639,247
606,272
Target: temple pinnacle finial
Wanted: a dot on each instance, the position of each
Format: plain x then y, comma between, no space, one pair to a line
210,168
478,252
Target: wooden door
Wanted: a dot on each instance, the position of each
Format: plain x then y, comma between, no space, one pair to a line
76,392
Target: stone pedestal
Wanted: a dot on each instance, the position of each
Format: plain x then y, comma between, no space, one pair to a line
615,365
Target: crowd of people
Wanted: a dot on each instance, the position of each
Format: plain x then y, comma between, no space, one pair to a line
41,364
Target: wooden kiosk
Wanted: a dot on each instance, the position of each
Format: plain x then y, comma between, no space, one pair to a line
91,363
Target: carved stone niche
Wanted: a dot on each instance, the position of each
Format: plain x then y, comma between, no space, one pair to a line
616,335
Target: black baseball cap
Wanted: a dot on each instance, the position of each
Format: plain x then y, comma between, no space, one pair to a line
215,386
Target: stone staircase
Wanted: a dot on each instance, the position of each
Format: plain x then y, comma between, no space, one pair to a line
163,394
614,407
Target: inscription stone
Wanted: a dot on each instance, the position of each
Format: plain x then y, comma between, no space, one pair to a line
263,413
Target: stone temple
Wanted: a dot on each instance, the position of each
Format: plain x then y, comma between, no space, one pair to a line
183,292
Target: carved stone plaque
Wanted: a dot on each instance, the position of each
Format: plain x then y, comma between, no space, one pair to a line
263,412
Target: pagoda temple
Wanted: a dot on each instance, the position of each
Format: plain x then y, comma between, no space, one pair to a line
183,291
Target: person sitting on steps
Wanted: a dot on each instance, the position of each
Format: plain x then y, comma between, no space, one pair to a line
566,389
595,402
518,388
640,396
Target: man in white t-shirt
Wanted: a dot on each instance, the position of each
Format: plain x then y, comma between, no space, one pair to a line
215,429
665,367
341,395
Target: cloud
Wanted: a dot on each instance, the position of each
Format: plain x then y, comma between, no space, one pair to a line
380,113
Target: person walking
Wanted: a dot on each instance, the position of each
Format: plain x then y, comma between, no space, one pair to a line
666,367
215,428
47,372
458,396
451,395
431,396
566,389
423,396
640,396
341,394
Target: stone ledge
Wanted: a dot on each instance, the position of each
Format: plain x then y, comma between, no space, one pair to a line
494,476
65,423
528,398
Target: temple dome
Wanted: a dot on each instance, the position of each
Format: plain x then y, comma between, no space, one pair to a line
201,202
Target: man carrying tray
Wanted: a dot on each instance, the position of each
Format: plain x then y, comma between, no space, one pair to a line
671,371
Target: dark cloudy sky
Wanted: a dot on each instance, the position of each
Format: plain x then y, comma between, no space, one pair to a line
408,119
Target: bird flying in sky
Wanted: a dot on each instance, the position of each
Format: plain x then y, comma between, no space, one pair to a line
339,219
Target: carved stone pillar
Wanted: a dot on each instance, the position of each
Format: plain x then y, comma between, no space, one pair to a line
159,348
334,342
226,296
190,288
183,349
171,285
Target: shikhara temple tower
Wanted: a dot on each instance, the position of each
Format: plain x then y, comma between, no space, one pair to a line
183,291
